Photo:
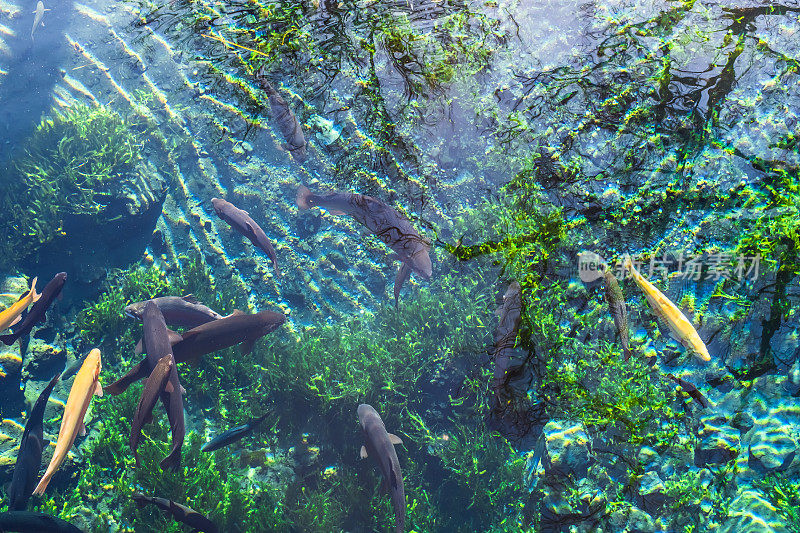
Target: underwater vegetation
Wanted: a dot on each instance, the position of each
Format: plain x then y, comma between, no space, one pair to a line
784,494
623,150
72,167
404,360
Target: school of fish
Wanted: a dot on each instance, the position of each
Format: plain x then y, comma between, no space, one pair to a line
203,331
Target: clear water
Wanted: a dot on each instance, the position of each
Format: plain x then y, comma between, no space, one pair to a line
527,143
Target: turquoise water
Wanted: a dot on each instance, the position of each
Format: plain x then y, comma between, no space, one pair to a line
523,148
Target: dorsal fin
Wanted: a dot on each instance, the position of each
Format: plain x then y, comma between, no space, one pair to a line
191,298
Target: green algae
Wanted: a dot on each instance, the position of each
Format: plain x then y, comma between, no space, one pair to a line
72,166
784,494
659,151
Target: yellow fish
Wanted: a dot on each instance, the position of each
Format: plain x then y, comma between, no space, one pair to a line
681,327
10,316
85,386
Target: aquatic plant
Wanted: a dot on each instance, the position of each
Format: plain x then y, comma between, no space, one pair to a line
72,165
103,322
381,359
484,470
784,494
108,478
604,391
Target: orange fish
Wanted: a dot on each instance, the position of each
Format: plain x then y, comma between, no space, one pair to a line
680,327
10,316
85,386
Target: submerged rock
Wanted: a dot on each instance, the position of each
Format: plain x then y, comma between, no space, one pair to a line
719,442
771,447
578,509
567,449
749,512
651,492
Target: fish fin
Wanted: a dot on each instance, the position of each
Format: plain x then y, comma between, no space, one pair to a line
82,429
174,337
236,312
168,388
249,226
247,346
16,320
191,298
8,340
183,391
98,390
403,273
33,291
18,323
139,347
394,439
336,212
363,452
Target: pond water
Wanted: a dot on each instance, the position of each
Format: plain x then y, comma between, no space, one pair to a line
496,266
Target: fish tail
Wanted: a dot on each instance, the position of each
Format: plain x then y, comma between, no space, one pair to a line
173,460
33,291
140,500
303,195
40,488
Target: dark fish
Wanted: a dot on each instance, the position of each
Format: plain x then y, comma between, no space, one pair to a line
379,444
388,224
173,401
232,435
210,337
179,311
158,346
29,457
691,390
237,329
174,338
287,122
156,384
505,336
179,512
240,220
36,315
27,522
619,312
